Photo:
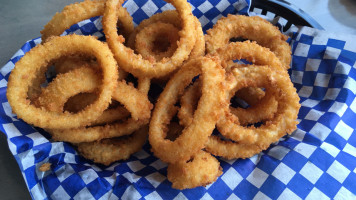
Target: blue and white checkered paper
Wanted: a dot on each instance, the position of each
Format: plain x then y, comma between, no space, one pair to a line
318,161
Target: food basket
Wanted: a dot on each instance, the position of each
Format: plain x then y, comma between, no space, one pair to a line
284,10
315,161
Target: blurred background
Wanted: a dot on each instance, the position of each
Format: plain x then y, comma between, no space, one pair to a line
23,20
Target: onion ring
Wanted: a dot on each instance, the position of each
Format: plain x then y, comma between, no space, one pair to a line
233,150
88,80
134,63
196,134
171,17
64,65
156,35
253,28
251,52
110,150
245,117
202,170
110,115
24,73
284,121
76,12
72,14
250,95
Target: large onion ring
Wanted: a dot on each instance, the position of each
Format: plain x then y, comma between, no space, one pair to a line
284,121
134,63
72,14
253,28
196,134
26,68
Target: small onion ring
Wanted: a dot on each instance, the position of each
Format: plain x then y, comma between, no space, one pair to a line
246,116
82,100
24,73
171,17
87,80
196,134
146,41
110,150
202,170
253,28
134,63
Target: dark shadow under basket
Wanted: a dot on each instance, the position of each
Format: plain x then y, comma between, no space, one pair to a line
280,8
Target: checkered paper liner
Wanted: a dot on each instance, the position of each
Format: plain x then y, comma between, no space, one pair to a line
316,161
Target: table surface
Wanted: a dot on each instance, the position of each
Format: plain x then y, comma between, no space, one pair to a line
22,21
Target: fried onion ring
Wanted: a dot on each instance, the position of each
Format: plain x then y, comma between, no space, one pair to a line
284,121
202,170
134,63
171,17
245,117
87,80
81,100
74,13
157,41
208,110
24,73
252,28
110,150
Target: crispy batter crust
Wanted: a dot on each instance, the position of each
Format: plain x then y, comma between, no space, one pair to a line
148,36
86,80
76,12
171,17
27,67
110,150
134,63
196,134
251,140
202,170
252,28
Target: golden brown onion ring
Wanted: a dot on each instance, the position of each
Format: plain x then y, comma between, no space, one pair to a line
25,70
74,13
64,65
252,52
250,95
284,121
157,41
82,100
110,150
196,134
232,150
134,63
171,17
245,117
202,170
252,28
86,79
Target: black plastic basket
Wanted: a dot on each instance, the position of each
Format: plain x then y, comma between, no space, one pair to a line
282,9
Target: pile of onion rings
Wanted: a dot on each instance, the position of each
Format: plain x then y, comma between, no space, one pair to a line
100,99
